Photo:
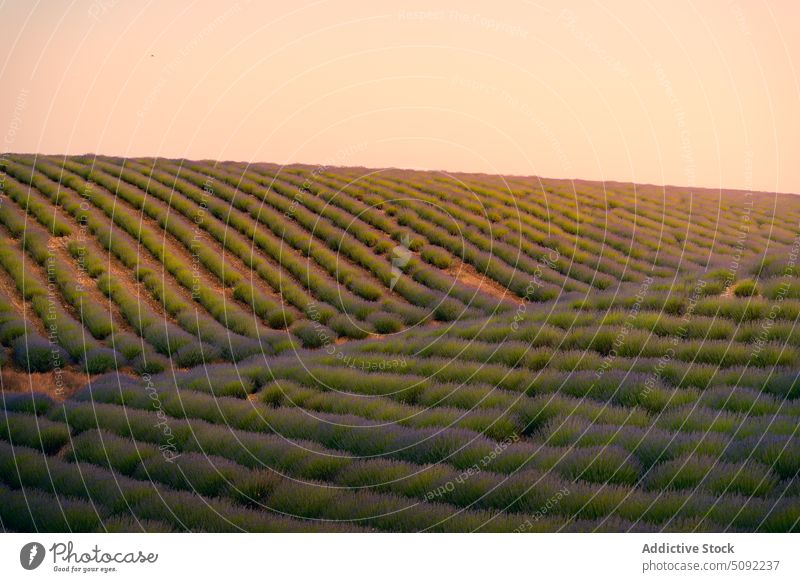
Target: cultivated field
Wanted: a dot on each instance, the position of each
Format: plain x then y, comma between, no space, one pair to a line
215,346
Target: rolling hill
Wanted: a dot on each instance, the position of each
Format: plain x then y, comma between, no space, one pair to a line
219,346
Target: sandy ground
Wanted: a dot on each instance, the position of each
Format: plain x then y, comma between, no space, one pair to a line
57,387
467,275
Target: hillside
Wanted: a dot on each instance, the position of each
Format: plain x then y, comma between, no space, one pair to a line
200,345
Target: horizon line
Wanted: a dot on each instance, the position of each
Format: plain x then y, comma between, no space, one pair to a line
422,170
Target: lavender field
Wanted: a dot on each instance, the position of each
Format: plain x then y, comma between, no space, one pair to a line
218,346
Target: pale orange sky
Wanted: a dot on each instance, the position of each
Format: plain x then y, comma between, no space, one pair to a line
686,93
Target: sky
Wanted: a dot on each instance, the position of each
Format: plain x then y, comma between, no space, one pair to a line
688,93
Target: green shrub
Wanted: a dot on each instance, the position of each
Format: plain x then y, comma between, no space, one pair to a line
448,310
385,323
32,510
344,326
99,360
11,330
205,474
713,287
108,450
166,338
608,464
151,363
782,288
36,354
280,318
312,334
33,431
128,345
746,288
436,256
196,354
27,402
